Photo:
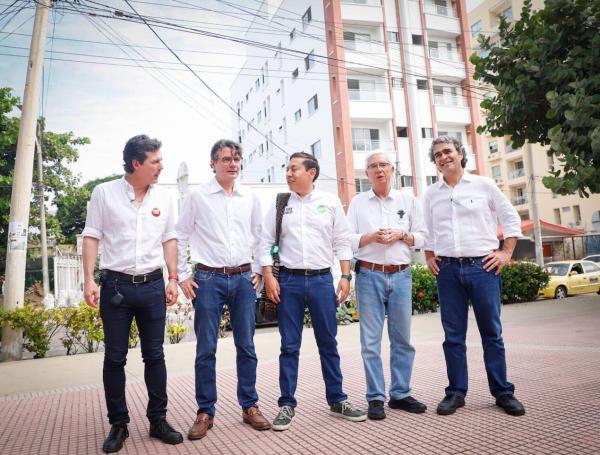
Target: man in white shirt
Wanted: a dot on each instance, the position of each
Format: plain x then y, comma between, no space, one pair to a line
133,221
462,212
314,228
386,224
221,221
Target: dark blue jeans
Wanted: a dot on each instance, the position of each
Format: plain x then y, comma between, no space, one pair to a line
318,294
147,303
215,290
459,282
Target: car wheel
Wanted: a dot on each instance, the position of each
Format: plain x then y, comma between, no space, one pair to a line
561,292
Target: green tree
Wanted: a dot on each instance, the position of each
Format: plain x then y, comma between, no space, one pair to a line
545,69
59,151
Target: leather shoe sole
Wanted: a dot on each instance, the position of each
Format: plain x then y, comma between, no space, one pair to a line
259,427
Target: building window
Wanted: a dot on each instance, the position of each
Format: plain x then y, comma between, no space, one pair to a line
422,84
430,179
292,34
309,60
393,37
493,145
295,73
257,83
407,180
417,40
298,115
313,104
496,172
362,185
267,107
261,150
577,214
557,218
306,18
507,14
566,209
476,28
401,131
282,92
397,82
427,133
259,116
315,149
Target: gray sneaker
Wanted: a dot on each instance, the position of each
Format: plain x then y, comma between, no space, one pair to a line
345,410
284,418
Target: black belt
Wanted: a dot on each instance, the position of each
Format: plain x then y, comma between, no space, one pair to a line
306,272
226,270
133,279
462,260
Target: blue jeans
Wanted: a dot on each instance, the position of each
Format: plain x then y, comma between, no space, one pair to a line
459,282
147,303
317,293
376,293
215,290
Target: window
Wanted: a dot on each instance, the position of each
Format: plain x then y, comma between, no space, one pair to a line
279,55
284,128
313,104
306,18
257,83
282,92
365,139
493,145
422,84
393,37
397,82
401,131
309,60
427,133
417,40
577,214
261,150
476,28
259,116
315,149
507,14
566,209
295,73
353,40
293,34
298,115
431,179
590,267
496,172
362,185
557,219
267,107
407,180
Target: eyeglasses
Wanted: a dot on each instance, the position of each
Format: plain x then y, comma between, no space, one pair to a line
374,166
227,160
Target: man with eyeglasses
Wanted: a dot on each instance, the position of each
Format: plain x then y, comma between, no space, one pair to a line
462,212
221,221
387,224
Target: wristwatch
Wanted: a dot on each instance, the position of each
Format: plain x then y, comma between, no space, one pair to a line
405,237
348,277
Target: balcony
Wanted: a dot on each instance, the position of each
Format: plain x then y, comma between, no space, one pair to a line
363,46
446,64
362,11
369,105
451,109
368,95
520,200
517,173
441,19
361,55
370,145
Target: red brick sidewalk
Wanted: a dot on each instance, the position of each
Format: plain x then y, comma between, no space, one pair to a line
554,363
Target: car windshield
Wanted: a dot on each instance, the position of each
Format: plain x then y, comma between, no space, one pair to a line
557,269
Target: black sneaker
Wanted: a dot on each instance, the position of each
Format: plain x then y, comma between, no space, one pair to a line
450,404
510,405
161,429
376,410
408,404
284,418
116,437
346,410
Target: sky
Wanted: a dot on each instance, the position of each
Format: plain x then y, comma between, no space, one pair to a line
109,103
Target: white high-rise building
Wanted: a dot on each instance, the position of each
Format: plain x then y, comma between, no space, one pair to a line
344,78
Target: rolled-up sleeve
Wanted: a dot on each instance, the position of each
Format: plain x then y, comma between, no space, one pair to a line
267,238
429,242
170,233
352,218
507,215
341,234
94,226
417,225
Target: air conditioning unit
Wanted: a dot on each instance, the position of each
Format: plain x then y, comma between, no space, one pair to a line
498,181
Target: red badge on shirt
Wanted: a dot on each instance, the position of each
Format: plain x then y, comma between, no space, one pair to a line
155,212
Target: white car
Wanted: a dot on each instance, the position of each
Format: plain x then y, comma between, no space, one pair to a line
592,257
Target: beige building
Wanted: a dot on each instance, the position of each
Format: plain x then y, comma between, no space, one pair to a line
511,168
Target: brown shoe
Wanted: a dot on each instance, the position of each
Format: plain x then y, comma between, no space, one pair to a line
203,423
254,417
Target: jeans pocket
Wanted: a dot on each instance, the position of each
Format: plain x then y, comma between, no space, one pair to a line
202,276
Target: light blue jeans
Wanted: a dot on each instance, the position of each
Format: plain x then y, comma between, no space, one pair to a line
376,294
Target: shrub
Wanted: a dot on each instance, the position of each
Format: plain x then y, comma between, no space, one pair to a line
225,322
177,317
39,327
134,335
176,332
522,280
83,329
424,290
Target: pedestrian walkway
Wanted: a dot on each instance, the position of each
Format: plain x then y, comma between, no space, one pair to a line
56,405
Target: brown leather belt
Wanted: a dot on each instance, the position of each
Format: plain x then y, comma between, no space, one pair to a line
225,270
382,268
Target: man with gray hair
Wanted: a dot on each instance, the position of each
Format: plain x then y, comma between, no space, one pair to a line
462,250
386,225
221,221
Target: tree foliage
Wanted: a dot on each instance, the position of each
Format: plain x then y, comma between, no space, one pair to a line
545,69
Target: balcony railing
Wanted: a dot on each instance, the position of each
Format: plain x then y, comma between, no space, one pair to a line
509,149
440,10
367,95
362,2
519,200
363,46
444,54
520,172
448,100
368,145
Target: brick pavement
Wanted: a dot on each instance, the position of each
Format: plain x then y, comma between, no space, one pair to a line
554,361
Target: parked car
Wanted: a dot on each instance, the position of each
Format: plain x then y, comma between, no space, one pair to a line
570,278
593,257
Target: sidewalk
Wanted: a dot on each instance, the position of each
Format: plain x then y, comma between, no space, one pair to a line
56,405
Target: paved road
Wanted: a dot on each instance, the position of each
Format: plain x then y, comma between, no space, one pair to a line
56,405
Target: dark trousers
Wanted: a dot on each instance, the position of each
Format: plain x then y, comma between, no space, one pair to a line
147,303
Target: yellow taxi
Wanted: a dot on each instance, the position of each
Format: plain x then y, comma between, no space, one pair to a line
570,278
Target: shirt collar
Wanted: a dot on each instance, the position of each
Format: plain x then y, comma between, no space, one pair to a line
466,177
215,187
129,188
372,194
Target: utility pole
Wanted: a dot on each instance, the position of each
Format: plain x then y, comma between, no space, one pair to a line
43,235
16,252
537,230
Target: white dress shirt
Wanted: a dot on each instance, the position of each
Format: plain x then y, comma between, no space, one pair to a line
222,230
313,230
130,237
463,221
398,210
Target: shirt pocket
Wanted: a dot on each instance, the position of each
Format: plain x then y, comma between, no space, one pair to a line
155,220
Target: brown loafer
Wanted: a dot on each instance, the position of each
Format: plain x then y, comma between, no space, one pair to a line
254,418
201,425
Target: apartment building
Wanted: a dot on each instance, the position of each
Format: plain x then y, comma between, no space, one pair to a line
342,79
511,167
